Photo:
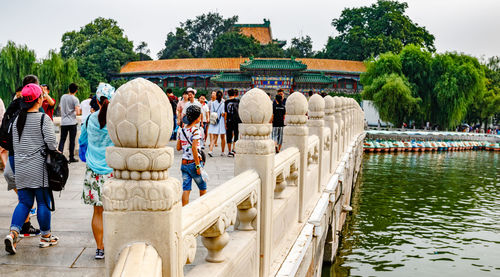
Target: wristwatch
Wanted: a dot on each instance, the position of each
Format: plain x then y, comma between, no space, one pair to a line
198,166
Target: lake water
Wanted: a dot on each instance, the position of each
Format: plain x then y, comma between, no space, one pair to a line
423,214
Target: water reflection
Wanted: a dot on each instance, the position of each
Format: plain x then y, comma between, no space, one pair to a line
424,214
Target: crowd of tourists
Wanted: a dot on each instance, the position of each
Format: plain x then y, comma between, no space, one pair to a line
201,124
27,135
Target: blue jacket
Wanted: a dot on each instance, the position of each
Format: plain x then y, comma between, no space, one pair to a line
98,139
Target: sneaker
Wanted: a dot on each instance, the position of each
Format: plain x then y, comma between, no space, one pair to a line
222,154
49,241
10,240
210,154
99,254
73,160
28,230
230,154
32,212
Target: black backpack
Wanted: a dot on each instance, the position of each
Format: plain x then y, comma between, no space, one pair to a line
9,117
232,111
57,168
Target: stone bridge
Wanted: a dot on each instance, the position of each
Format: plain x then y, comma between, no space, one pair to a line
280,215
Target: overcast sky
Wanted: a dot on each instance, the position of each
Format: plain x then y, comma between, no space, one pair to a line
471,27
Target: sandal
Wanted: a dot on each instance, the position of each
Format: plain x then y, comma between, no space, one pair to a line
48,241
10,241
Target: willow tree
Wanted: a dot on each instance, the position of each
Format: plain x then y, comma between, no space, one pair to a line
390,91
458,80
58,73
16,61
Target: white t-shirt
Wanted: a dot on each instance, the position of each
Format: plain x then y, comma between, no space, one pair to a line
188,104
186,142
85,105
205,111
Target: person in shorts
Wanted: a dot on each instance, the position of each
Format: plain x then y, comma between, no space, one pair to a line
188,140
232,120
278,120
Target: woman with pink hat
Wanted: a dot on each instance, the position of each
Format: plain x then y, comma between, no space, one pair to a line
32,132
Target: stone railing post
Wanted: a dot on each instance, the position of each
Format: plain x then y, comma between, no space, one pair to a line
141,202
340,127
296,134
330,122
255,150
316,124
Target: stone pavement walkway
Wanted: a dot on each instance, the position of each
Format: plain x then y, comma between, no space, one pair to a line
74,255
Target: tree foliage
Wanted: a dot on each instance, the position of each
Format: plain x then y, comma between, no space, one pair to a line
234,44
15,63
176,46
143,51
58,73
196,37
301,47
416,85
366,32
271,50
100,49
390,91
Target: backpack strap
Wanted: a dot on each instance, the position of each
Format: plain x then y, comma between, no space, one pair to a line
52,206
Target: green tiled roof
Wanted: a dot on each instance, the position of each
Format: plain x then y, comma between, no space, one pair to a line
266,23
314,78
272,64
231,78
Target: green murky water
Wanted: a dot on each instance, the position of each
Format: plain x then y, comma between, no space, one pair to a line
424,214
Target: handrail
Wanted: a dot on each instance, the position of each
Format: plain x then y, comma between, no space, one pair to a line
138,259
212,213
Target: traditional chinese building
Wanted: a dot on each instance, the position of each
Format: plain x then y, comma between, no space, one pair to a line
245,73
260,32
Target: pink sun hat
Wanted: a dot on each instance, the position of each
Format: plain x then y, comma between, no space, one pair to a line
31,92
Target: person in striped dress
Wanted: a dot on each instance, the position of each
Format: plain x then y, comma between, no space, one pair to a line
29,144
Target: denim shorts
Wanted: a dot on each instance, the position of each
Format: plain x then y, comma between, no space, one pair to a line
189,174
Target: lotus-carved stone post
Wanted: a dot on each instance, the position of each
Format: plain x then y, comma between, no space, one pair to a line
142,203
296,134
340,125
316,126
255,150
330,122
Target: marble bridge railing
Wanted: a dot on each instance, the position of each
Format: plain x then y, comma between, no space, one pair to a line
280,215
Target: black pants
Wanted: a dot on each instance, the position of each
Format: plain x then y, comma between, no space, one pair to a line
72,136
232,129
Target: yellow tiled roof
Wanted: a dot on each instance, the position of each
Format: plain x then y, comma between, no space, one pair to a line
231,64
261,34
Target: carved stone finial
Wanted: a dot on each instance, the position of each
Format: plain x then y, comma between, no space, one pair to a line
296,109
140,125
255,107
329,105
255,111
316,107
338,104
140,116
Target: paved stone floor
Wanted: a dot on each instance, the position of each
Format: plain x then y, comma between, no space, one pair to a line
74,255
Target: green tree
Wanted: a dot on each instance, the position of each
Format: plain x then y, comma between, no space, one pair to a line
176,45
369,31
15,63
300,47
390,91
271,50
234,44
100,49
58,73
143,51
204,30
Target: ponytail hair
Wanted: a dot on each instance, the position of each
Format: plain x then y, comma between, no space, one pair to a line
219,96
103,111
21,118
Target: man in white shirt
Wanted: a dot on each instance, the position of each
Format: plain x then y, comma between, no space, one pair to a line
85,105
